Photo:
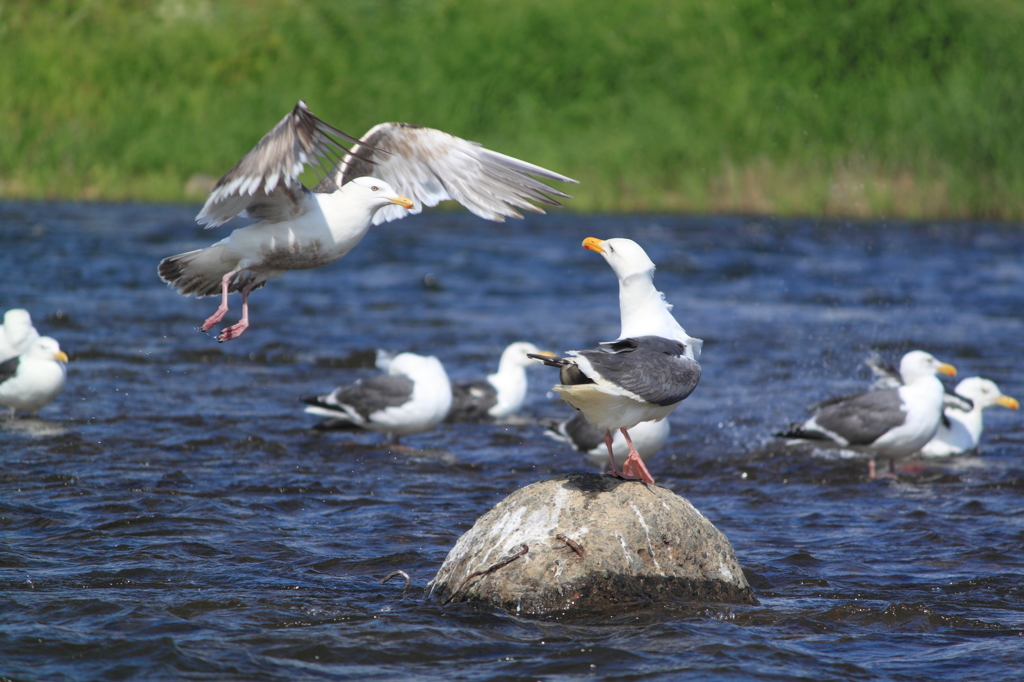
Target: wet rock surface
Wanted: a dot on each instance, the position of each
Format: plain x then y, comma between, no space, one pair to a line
588,541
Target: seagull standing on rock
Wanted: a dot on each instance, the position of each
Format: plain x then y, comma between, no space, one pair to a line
394,170
641,376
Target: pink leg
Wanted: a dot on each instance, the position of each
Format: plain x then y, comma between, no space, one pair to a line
225,281
634,467
611,456
235,330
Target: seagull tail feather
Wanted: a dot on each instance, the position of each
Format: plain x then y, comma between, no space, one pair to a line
199,272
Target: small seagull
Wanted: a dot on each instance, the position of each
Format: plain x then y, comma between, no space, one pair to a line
412,397
960,430
499,395
394,170
648,438
16,334
35,378
892,422
641,376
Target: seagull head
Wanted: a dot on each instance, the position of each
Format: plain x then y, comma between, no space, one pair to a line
917,364
47,348
984,393
514,354
625,256
376,193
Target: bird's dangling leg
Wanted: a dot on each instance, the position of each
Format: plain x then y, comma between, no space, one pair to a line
611,456
222,310
634,467
235,330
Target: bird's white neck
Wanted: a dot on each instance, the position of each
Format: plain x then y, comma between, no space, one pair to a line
644,312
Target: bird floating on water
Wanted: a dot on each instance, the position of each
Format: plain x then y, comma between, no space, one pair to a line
960,430
413,396
34,379
892,422
394,170
641,376
500,394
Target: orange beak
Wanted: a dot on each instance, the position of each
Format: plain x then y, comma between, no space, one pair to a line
593,244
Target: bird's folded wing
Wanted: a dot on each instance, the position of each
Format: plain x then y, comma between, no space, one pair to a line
430,166
375,393
863,418
264,183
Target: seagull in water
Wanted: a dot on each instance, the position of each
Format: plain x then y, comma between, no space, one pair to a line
34,379
414,395
641,376
960,430
394,170
892,422
499,395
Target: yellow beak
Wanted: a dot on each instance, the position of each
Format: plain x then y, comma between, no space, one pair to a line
593,244
62,356
549,354
1007,401
947,369
402,201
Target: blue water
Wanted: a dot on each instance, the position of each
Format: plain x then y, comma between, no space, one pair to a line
173,515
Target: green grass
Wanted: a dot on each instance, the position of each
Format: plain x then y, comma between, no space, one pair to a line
843,107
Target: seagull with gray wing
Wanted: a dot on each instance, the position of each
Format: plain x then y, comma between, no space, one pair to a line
641,376
412,396
394,170
892,422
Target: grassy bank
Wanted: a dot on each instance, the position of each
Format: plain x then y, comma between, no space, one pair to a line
873,107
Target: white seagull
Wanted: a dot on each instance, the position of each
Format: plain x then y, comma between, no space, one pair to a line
35,378
16,334
960,430
413,396
641,376
648,438
500,394
394,170
892,422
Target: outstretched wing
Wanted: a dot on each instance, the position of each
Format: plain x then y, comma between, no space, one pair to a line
264,183
430,166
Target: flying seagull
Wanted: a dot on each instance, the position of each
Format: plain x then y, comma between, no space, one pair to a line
394,170
498,395
32,380
892,422
414,395
648,438
641,376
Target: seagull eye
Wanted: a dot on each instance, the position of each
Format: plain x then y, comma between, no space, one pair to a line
375,188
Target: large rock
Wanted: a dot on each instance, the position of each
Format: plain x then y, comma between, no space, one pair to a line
587,541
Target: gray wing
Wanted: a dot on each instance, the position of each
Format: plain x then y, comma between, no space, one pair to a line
471,400
8,369
863,418
367,396
580,433
430,166
265,182
652,367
